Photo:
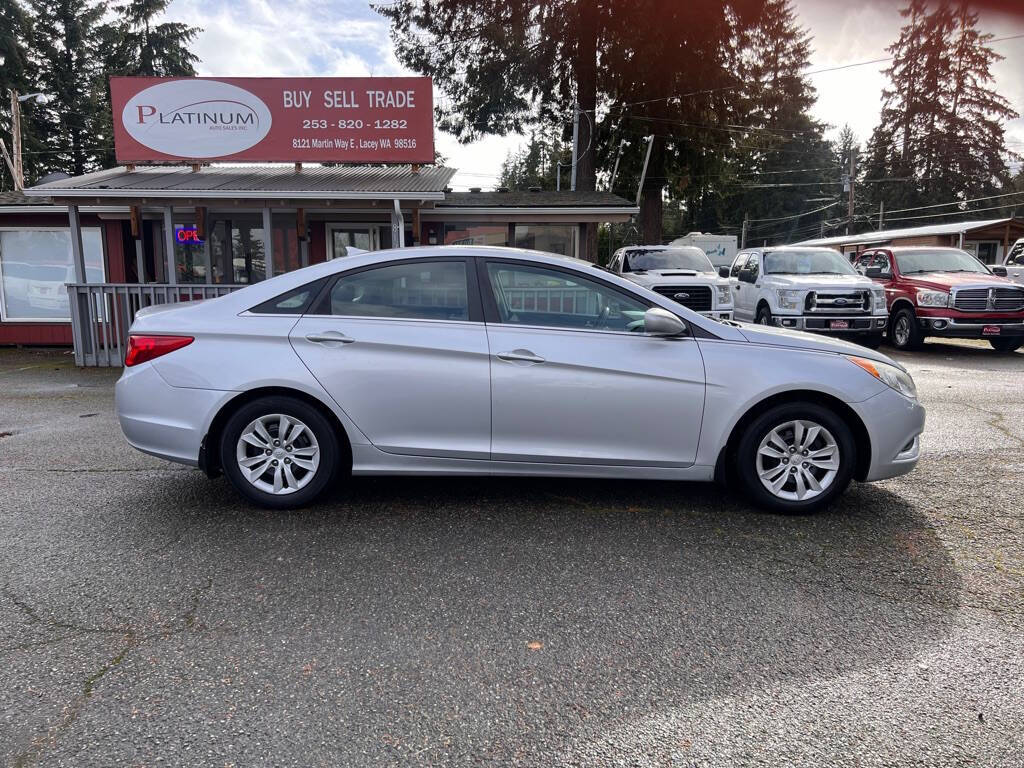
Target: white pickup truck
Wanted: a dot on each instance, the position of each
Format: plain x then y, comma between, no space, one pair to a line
1014,262
808,289
683,274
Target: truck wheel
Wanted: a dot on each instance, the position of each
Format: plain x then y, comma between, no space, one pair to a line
1006,345
764,316
903,330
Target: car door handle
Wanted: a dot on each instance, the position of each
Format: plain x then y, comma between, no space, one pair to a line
329,336
520,356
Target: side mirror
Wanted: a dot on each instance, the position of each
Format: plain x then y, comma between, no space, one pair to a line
1001,271
746,276
661,322
873,271
723,272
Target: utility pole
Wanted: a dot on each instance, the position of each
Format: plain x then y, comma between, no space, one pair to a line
615,170
19,174
643,173
743,232
558,176
881,214
853,175
575,144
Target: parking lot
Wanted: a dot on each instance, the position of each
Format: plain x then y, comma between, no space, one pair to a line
148,616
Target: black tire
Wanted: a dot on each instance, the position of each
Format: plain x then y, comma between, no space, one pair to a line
1009,344
330,452
756,431
904,332
870,340
764,315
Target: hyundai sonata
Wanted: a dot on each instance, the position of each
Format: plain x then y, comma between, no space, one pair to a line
495,361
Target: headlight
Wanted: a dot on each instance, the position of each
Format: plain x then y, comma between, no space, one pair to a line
888,374
878,299
724,295
932,298
789,299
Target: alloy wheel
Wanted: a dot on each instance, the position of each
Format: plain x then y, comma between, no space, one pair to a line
901,330
277,454
798,460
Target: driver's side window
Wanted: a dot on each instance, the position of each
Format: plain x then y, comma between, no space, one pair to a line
737,265
528,295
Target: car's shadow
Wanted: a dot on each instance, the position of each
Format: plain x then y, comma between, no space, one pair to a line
635,595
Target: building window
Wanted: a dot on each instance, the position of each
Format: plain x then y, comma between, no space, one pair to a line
189,258
475,234
552,238
236,249
35,266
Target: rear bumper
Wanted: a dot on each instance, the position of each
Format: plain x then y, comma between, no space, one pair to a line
894,425
823,323
161,420
971,328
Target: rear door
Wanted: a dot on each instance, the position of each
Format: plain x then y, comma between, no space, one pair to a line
575,380
402,349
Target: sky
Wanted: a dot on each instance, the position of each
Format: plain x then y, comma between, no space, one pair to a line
347,37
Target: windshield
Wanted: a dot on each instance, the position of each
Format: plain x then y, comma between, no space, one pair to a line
669,258
950,260
823,262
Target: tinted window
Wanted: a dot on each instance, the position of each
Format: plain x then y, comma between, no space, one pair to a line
737,265
538,296
424,290
294,302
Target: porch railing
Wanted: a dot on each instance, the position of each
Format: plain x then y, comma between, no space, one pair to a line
102,313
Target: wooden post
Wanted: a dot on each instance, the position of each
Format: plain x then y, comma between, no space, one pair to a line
302,235
417,238
1006,241
135,218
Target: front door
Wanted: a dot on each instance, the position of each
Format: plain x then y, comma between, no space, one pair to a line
575,380
403,351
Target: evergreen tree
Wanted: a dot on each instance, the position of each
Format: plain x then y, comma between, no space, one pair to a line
66,54
14,32
536,164
940,136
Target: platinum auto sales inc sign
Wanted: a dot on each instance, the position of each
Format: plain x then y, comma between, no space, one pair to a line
270,119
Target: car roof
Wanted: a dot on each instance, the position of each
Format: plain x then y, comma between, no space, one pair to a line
916,248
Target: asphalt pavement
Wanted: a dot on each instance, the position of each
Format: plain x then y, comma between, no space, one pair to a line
148,616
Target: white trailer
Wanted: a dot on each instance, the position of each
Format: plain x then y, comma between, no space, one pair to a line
721,249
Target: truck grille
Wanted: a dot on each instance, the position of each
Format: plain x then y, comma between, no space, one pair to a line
989,299
839,302
696,297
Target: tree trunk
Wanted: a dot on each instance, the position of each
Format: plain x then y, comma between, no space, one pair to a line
650,199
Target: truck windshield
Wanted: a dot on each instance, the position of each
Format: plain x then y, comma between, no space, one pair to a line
951,260
823,262
668,258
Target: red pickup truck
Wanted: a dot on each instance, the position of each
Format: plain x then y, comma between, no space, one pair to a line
933,291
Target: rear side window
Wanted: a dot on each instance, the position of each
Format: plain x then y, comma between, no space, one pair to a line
419,290
293,302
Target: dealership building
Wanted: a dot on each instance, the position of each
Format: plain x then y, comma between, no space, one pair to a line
80,255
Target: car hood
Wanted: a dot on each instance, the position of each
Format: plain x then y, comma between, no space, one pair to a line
946,280
819,281
782,337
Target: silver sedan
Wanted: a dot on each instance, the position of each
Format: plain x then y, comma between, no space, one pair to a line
495,361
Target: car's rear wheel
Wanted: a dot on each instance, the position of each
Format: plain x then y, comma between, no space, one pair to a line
903,330
279,452
796,458
1006,345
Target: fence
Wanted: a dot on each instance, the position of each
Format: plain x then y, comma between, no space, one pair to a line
102,313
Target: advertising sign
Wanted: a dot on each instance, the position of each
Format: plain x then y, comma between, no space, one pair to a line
273,119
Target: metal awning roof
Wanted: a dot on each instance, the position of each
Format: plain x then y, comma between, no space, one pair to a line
347,182
885,235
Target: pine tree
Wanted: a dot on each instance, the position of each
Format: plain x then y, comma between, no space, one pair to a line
940,136
66,54
536,164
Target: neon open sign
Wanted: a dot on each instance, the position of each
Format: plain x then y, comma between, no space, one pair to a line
187,235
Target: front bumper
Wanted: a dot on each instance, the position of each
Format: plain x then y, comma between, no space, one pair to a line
894,424
161,420
824,323
971,328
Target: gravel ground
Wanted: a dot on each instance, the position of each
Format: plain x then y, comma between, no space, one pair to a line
148,616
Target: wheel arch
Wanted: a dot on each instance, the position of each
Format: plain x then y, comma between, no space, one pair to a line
209,455
861,438
902,303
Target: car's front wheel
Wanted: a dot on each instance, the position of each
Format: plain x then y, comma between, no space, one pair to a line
1006,345
903,330
279,452
764,315
796,458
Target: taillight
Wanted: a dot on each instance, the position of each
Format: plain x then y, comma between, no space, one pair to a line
143,348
